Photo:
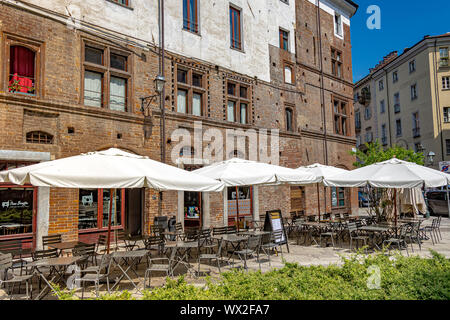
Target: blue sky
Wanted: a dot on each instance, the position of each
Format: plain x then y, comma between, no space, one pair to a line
403,24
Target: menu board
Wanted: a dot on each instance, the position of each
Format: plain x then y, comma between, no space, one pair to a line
274,222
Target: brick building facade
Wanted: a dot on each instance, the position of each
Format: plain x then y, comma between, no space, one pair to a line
54,111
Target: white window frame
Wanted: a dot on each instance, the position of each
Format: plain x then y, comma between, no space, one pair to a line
446,83
341,27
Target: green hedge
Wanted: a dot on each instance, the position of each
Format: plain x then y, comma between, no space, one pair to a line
402,278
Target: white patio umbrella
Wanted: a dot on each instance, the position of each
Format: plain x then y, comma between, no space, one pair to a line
393,173
239,172
110,169
323,172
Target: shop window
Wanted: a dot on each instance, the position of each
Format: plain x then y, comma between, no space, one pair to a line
94,208
39,137
337,197
245,201
192,204
22,70
16,210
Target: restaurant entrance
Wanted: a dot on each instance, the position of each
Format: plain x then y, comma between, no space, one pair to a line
134,209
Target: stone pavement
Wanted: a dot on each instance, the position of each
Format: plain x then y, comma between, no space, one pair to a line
301,254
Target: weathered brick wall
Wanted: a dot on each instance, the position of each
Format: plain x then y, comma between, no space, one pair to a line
58,107
63,213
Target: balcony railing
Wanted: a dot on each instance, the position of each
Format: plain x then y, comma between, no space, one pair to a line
444,62
416,132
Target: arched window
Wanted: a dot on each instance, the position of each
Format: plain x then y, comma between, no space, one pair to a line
39,137
22,70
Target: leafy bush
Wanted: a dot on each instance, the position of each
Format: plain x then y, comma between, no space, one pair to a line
404,278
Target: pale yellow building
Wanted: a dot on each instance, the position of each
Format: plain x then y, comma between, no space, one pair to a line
405,100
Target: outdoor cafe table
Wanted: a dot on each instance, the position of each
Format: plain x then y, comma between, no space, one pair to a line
58,267
61,246
377,230
314,226
183,250
130,258
254,233
232,239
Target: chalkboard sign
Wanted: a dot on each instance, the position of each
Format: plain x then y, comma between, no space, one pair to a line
274,222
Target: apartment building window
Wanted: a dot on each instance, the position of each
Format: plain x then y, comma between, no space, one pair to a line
340,117
446,114
289,119
397,102
383,134
338,25
382,106
238,102
381,85
289,74
369,135
190,15
284,39
235,28
190,91
398,127
106,78
415,124
357,120
412,66
336,63
395,76
447,146
443,53
367,113
446,83
414,92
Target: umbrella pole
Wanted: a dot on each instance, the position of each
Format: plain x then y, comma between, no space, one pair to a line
395,209
318,199
109,219
237,208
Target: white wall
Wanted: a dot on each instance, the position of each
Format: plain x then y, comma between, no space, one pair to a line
261,22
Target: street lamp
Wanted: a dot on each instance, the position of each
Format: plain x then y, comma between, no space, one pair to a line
159,82
429,158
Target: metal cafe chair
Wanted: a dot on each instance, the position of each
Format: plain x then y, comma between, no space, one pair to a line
15,247
44,254
55,238
272,244
212,256
10,279
87,251
331,233
252,247
219,230
96,273
400,239
158,265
